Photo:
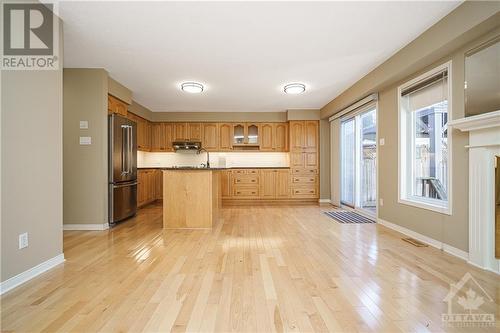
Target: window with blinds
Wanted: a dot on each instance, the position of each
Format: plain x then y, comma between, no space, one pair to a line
425,145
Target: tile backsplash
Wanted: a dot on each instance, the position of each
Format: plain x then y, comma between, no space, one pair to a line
226,159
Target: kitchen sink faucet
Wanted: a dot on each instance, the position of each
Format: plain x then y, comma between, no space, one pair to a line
208,156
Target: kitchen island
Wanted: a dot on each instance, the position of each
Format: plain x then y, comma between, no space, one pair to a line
191,198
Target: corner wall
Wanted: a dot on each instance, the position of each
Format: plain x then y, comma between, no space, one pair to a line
31,170
85,166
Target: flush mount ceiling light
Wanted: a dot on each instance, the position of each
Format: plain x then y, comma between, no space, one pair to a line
294,88
192,87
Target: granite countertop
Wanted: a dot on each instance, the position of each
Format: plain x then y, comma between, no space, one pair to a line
211,168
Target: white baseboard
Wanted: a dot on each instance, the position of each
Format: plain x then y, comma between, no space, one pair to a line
324,201
427,240
103,226
30,273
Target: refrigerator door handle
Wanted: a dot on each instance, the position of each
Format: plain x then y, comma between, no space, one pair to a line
125,185
130,147
124,146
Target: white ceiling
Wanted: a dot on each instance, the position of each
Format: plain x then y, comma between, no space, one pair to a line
243,52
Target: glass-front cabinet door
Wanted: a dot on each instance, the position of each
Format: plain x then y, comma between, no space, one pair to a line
252,134
239,134
246,134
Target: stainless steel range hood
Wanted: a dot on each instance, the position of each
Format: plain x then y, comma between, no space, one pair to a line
180,146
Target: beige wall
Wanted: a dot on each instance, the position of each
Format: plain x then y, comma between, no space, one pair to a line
119,91
85,166
303,114
31,169
219,116
450,229
140,110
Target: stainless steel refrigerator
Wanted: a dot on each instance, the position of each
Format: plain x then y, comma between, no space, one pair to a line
122,163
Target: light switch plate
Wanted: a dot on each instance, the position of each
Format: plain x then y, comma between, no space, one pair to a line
381,141
85,140
84,124
23,240
381,201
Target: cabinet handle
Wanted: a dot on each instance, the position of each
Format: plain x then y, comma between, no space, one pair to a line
312,179
253,180
253,192
311,191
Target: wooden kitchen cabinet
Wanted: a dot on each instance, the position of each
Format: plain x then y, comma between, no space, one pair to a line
268,184
210,136
304,158
194,132
158,184
187,132
145,186
226,183
161,137
180,132
149,187
225,136
297,135
280,137
282,184
117,106
267,137
144,132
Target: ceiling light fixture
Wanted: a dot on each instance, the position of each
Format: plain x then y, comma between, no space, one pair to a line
192,87
294,88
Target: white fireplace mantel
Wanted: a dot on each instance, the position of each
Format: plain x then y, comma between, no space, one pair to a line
484,145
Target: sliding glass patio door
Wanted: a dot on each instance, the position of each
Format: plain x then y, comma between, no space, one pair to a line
358,152
347,162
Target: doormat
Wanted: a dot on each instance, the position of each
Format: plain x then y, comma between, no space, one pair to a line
414,242
348,217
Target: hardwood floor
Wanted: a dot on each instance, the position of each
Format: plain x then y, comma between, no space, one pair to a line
260,269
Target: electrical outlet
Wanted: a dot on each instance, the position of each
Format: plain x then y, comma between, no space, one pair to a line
23,240
381,141
381,201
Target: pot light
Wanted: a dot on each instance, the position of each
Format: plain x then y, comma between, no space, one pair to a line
192,87
294,88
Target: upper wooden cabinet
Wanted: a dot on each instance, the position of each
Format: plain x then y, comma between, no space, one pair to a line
180,132
297,135
194,132
210,136
117,106
144,134
246,135
311,134
280,137
161,137
274,137
267,137
225,136
187,132
304,135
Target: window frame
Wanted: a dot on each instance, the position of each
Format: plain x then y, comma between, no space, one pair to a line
406,149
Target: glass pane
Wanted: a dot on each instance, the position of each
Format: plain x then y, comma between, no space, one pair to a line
347,149
253,134
430,163
239,134
368,172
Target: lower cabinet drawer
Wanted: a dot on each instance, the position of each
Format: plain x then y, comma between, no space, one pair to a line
250,180
301,179
305,192
303,171
245,192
